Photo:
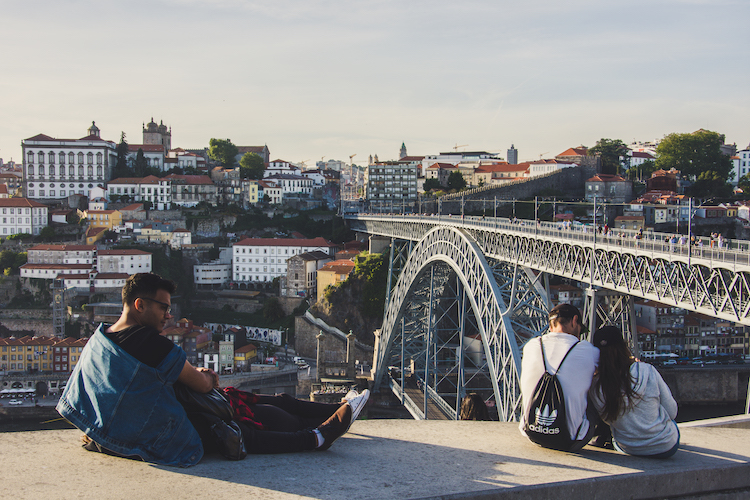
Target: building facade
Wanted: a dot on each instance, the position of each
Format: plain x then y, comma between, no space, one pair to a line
21,215
56,168
260,260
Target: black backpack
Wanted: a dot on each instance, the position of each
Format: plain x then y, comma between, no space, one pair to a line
546,421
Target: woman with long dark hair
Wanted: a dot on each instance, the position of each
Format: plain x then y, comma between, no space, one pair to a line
633,399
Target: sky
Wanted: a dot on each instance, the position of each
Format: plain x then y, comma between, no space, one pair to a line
328,79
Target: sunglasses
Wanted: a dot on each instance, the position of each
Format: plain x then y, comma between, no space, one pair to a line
166,307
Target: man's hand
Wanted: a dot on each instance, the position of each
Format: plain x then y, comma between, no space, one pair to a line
199,379
214,376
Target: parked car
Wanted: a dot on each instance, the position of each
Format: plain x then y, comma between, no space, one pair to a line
670,362
15,402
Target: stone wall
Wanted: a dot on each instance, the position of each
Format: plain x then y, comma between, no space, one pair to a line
568,181
38,326
333,345
239,305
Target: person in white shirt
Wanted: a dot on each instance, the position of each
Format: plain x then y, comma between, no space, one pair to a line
575,374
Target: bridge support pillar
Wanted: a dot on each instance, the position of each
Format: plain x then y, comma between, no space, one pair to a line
605,307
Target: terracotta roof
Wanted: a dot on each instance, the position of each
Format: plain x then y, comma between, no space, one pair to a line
57,266
40,137
133,207
438,166
146,147
191,179
285,242
20,202
61,248
581,151
123,252
112,276
343,266
606,178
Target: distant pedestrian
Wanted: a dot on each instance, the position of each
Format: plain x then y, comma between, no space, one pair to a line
473,407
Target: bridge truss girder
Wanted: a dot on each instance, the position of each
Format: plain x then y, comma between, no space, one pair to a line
447,296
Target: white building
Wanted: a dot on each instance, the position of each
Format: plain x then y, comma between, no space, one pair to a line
141,189
61,254
542,167
214,274
154,154
179,238
282,167
269,192
56,168
21,215
260,260
291,184
741,164
123,261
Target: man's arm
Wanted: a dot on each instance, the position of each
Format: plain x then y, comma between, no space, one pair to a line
199,379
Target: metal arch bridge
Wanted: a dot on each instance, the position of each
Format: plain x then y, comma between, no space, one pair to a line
465,294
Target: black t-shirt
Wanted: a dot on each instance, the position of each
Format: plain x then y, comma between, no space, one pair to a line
144,343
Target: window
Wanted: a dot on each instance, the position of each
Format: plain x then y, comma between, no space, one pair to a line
98,158
62,158
71,157
40,156
80,162
31,157
90,158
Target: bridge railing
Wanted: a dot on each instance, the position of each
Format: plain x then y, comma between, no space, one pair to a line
710,250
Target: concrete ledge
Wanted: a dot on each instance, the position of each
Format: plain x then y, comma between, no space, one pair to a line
739,421
381,459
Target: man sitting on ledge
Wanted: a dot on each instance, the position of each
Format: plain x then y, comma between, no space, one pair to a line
573,362
121,393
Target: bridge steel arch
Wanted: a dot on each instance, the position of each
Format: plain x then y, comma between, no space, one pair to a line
459,251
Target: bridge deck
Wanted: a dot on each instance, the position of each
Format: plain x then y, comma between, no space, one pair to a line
382,459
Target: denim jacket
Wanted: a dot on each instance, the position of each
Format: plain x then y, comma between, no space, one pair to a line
129,407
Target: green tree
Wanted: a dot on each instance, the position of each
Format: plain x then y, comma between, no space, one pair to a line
121,167
223,151
272,310
430,184
642,171
252,166
744,183
47,233
710,184
610,152
694,154
456,181
140,166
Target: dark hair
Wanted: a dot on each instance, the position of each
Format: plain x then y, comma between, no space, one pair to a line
145,285
614,381
563,313
473,407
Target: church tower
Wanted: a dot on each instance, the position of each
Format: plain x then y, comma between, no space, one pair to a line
157,134
94,130
402,153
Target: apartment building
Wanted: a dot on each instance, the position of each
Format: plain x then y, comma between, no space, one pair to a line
260,260
21,215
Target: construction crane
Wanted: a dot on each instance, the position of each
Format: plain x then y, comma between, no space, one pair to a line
542,154
303,163
455,148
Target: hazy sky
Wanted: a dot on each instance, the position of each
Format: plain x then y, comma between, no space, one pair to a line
333,78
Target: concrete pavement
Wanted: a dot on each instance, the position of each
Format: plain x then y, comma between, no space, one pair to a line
384,459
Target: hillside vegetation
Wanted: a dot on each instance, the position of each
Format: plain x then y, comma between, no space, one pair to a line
357,303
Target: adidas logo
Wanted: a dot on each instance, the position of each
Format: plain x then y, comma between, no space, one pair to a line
545,418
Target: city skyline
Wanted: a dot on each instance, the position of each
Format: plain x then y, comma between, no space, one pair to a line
328,79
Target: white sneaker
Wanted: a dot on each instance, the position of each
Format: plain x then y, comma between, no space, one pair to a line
349,396
357,403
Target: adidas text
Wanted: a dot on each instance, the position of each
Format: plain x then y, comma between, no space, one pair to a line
544,430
